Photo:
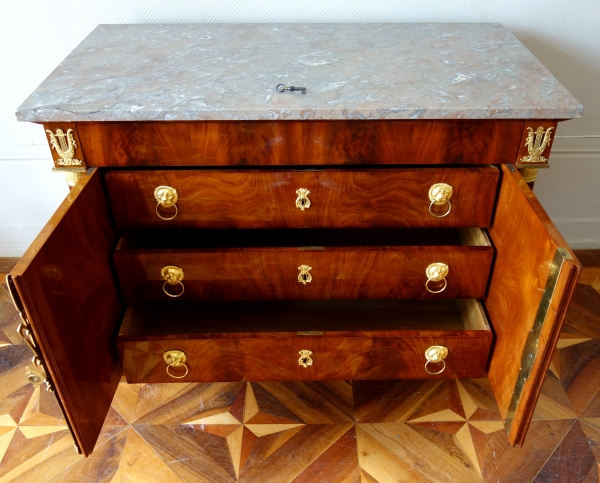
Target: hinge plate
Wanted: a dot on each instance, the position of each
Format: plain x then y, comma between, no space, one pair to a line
39,373
530,350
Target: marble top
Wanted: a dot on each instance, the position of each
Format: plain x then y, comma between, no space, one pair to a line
156,72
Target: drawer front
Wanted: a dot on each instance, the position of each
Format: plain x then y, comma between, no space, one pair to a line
289,143
331,358
292,274
383,198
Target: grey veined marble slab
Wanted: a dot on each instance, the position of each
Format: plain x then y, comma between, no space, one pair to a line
351,71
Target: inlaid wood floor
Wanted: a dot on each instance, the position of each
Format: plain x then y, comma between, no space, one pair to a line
384,431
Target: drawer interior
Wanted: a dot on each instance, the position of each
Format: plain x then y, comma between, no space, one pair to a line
145,241
366,335
354,318
265,264
353,340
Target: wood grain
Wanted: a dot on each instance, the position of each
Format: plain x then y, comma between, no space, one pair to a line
280,143
369,347
66,283
335,359
588,258
340,461
518,279
357,318
271,273
407,441
347,198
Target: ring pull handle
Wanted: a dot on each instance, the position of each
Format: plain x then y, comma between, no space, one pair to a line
166,197
436,272
176,358
439,195
304,276
305,359
173,276
436,355
302,201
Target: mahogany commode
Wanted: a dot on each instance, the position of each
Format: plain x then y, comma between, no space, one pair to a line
376,227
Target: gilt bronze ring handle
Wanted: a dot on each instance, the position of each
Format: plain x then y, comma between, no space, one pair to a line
176,358
437,272
439,195
172,275
166,197
436,355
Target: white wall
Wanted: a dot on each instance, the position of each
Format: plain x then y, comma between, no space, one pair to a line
35,35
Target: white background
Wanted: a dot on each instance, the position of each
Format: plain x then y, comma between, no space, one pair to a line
35,35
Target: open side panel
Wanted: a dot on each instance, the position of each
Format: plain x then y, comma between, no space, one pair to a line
533,279
65,289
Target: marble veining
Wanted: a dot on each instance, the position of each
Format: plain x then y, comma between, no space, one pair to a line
156,72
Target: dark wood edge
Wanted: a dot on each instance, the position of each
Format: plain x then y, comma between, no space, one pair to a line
50,366
404,334
62,398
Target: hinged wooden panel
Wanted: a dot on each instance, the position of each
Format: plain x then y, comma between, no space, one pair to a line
531,286
67,287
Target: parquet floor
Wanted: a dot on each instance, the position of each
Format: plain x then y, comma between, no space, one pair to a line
384,431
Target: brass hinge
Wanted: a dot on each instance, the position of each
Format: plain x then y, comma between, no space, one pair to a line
38,374
530,350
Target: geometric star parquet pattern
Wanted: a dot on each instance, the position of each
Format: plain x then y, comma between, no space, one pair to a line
335,431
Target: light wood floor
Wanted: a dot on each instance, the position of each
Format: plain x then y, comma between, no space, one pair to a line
344,431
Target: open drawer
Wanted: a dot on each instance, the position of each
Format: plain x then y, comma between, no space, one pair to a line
303,264
65,288
324,198
291,341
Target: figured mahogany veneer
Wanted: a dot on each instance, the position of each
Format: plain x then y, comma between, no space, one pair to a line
257,342
280,143
67,285
263,264
523,261
348,198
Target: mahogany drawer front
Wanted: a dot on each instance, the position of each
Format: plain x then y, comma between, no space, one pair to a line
361,351
290,273
333,358
288,143
339,198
